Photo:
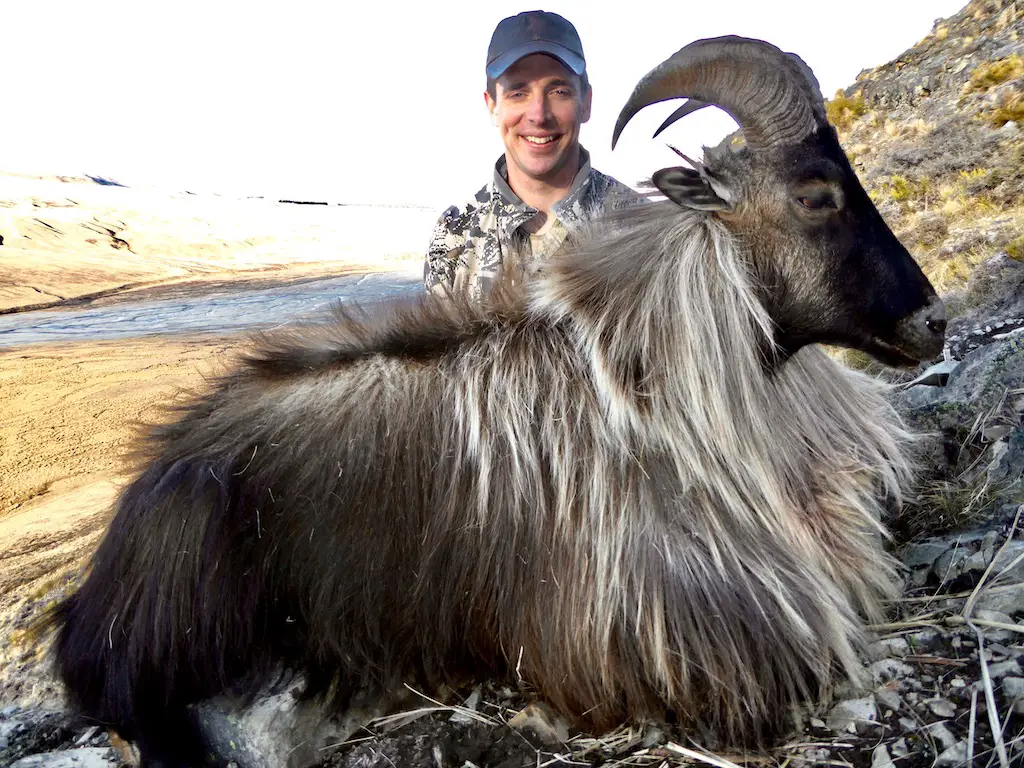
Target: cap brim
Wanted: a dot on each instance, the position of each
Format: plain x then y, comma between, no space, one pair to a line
496,68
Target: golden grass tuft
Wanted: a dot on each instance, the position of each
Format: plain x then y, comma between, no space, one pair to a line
1015,249
1010,109
994,73
842,110
904,190
951,273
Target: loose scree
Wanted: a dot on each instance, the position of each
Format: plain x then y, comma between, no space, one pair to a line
637,488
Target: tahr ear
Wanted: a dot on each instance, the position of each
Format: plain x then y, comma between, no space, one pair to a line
691,188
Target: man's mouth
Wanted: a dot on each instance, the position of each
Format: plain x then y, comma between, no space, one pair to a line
540,140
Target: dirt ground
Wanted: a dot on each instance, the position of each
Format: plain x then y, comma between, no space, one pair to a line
68,413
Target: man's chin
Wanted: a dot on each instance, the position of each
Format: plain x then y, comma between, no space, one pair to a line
547,171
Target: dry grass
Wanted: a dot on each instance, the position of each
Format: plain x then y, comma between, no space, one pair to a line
842,110
953,272
962,497
908,129
994,73
1010,109
1015,249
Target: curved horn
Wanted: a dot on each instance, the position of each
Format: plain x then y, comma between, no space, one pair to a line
691,106
772,95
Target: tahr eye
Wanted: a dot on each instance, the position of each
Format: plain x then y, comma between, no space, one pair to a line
817,202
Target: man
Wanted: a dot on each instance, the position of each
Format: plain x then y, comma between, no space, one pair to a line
543,187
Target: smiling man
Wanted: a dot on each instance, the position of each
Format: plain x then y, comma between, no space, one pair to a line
543,187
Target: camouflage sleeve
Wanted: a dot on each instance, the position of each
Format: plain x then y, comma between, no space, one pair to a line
442,255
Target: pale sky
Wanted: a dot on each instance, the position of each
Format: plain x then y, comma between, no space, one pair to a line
371,102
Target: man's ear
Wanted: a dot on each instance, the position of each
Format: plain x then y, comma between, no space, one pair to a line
690,188
492,107
588,97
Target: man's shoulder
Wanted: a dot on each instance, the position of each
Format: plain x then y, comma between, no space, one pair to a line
610,189
460,217
599,194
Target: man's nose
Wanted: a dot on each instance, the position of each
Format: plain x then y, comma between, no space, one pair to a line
539,110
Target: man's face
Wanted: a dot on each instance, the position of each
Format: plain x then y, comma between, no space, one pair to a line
539,109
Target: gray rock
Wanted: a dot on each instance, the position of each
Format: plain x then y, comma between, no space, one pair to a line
976,386
884,670
954,755
472,702
887,698
924,553
936,375
653,737
1007,599
899,748
89,757
1013,690
1009,668
890,646
1011,552
941,708
279,730
540,720
880,758
848,715
942,734
908,725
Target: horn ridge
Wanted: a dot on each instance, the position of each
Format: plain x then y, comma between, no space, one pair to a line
772,95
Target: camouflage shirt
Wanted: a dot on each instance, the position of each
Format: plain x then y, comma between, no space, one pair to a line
473,245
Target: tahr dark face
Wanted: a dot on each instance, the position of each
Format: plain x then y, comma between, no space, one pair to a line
832,269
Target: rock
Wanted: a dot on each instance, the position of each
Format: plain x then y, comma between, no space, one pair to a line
653,737
899,748
539,720
853,713
890,646
886,670
941,708
1013,690
936,375
907,725
942,734
924,553
1009,668
472,702
887,698
278,729
1007,599
89,757
880,758
955,755
1012,551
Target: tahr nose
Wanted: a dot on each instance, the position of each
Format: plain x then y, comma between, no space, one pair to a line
923,332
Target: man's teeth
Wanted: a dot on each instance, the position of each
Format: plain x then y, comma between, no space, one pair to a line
539,139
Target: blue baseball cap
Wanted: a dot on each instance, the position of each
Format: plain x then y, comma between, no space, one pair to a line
534,32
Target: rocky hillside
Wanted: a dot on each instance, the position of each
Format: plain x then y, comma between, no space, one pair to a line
937,136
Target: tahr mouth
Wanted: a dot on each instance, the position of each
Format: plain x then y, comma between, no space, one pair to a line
891,354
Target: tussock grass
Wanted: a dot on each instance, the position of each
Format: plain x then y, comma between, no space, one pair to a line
1010,109
994,73
1015,249
842,110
